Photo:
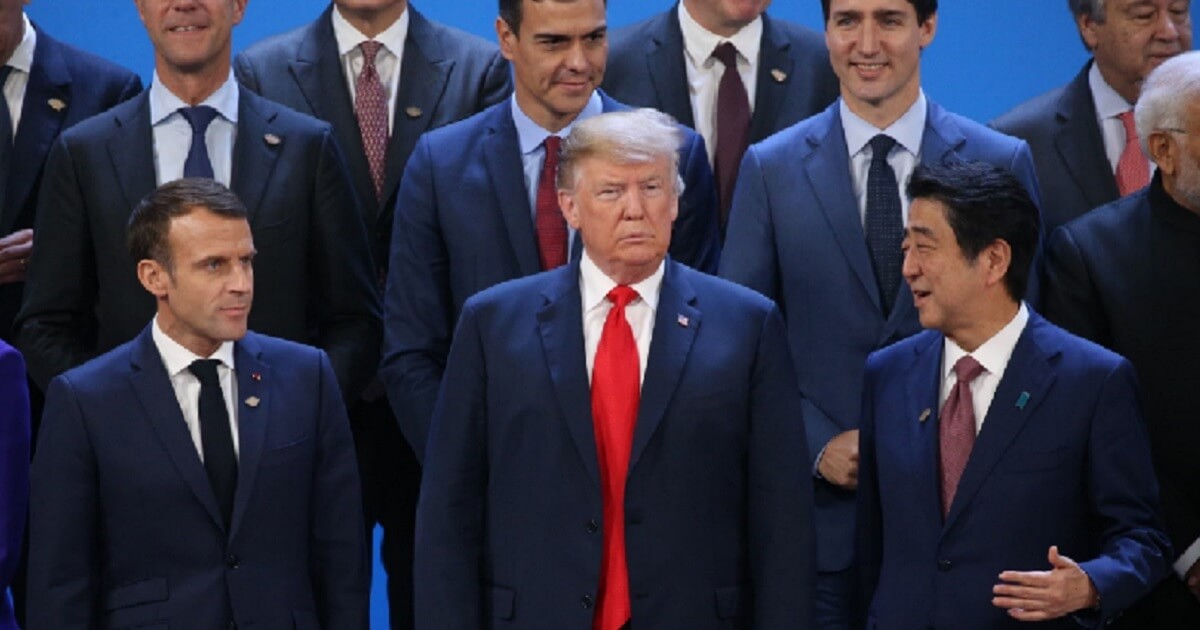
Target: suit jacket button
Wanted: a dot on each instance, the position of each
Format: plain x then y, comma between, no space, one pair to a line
592,526
587,601
944,565
231,562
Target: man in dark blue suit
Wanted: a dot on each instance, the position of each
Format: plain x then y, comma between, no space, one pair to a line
199,475
14,473
615,443
422,76
315,273
817,221
477,204
1078,133
1004,472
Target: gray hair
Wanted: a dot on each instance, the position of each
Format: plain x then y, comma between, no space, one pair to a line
1166,94
1091,8
634,136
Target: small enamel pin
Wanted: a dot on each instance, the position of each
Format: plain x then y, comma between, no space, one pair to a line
256,377
1022,399
683,321
252,401
924,415
779,75
272,139
57,104
413,112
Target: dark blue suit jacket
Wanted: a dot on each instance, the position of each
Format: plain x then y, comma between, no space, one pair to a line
795,235
14,472
463,223
719,511
446,76
314,281
125,528
1062,459
86,85
646,68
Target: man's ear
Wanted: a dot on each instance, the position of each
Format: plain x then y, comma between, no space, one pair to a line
154,277
1164,152
570,210
998,258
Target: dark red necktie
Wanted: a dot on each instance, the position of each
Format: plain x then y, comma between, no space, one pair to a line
370,107
956,429
616,388
549,223
733,127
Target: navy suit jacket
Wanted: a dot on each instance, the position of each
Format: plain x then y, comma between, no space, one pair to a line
463,223
796,236
85,85
1061,129
1062,459
646,68
446,75
125,528
718,507
14,472
314,281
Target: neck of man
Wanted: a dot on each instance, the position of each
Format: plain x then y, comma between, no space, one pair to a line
1128,91
881,114
553,122
994,314
711,23
372,22
1174,191
6,55
172,328
193,87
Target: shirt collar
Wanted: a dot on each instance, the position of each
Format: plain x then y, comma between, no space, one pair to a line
1109,104
177,358
595,285
531,135
699,43
164,103
22,56
348,38
907,131
994,354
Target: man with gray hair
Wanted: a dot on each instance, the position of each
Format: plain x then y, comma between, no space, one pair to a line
1126,275
1082,134
579,475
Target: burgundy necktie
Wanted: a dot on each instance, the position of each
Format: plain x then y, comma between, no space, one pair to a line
616,388
370,107
1133,171
956,428
549,223
733,127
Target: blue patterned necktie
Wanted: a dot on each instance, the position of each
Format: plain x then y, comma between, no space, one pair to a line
884,226
198,164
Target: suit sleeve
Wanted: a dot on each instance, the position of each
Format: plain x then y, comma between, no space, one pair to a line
64,519
14,461
449,538
55,328
868,535
132,87
782,528
419,307
696,237
1070,298
339,555
243,70
1135,553
342,275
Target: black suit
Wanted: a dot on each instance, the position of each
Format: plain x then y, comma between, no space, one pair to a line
1068,150
1127,276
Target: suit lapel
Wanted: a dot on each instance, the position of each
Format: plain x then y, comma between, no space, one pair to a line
154,391
770,94
502,153
562,341
1079,143
253,157
668,75
251,421
669,351
921,423
131,149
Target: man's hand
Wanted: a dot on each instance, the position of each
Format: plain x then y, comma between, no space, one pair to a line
1192,579
14,256
1042,595
839,461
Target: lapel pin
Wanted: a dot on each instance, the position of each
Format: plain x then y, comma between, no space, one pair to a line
413,112
683,321
779,75
1022,399
252,401
924,415
57,104
256,377
272,139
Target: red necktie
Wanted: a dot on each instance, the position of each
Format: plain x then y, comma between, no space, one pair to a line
956,428
1133,171
370,107
616,388
549,223
733,127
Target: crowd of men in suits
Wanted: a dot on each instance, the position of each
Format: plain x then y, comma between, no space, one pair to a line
710,321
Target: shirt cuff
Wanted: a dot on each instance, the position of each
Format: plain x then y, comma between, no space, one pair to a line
816,468
1187,559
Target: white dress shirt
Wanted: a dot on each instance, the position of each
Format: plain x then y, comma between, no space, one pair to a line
593,289
176,359
387,61
993,355
704,71
21,61
173,134
907,131
1110,105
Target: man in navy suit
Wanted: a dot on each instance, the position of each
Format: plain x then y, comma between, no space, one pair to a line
477,204
816,225
199,475
315,273
14,473
615,442
422,75
1078,132
1004,471
1126,276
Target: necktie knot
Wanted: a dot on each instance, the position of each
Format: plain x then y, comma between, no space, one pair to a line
205,370
370,48
726,53
881,146
622,295
199,117
967,369
1127,121
553,145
